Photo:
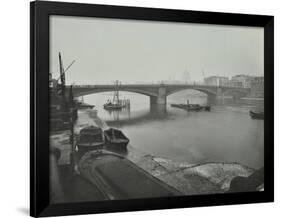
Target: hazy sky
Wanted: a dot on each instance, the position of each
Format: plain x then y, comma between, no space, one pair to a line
127,50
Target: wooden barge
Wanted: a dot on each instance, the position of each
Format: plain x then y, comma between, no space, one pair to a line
115,139
119,178
192,107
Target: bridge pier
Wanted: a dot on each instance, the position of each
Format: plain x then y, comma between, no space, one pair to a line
211,99
220,93
158,100
161,99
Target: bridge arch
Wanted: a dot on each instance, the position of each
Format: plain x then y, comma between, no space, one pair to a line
203,90
235,91
158,92
78,93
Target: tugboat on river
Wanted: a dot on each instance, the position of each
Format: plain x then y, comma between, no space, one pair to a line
80,104
192,107
116,103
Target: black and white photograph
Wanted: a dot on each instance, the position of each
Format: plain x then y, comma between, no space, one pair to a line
150,109
141,108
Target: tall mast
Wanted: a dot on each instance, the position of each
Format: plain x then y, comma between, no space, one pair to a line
116,93
62,75
203,74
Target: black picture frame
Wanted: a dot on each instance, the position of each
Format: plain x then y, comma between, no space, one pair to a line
39,107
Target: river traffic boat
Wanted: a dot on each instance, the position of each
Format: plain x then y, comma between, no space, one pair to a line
115,139
112,106
80,104
90,138
116,103
257,115
192,107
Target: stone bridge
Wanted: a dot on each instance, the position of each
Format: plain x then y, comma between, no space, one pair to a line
158,92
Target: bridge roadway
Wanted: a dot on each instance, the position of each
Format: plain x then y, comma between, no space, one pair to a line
158,92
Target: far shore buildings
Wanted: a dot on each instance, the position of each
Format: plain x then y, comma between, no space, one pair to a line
186,77
257,87
256,84
216,80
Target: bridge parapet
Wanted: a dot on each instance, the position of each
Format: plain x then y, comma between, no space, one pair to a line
159,85
157,92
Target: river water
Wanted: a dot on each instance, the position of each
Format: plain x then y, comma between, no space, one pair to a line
226,134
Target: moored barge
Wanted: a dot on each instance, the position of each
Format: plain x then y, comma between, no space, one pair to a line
192,107
119,178
115,139
90,138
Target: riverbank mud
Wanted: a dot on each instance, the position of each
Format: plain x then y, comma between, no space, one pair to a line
191,179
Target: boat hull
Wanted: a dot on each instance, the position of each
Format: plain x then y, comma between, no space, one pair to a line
83,148
113,107
192,107
90,138
85,107
118,178
255,115
115,139
116,145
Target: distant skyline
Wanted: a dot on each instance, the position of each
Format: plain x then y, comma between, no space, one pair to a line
142,51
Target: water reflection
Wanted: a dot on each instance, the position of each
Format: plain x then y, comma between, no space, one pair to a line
156,112
116,114
255,103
